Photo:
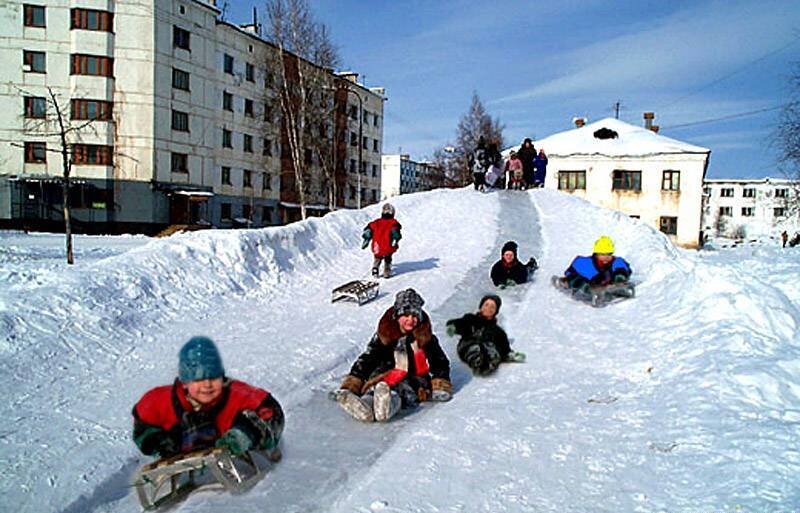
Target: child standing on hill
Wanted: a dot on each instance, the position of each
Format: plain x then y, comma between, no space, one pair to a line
385,236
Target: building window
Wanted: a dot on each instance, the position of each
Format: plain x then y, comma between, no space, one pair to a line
180,79
571,180
266,149
778,212
375,147
365,143
267,183
248,143
353,112
227,101
247,212
227,138
309,157
92,154
352,192
363,168
35,107
228,64
375,120
748,211
249,72
750,192
247,178
225,174
352,165
725,211
781,193
248,108
225,211
374,195
374,170
671,181
726,192
93,65
180,121
353,139
669,225
34,62
266,214
180,163
33,15
99,110
35,152
181,38
627,180
267,112
90,19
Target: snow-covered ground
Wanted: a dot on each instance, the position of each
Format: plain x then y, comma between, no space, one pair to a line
686,398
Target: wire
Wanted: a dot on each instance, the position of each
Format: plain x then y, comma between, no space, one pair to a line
723,118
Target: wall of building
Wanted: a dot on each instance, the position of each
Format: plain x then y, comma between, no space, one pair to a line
752,216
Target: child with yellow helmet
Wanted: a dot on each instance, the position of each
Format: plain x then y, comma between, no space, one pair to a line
602,268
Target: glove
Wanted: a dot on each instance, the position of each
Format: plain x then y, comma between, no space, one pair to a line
352,384
156,442
620,278
510,283
451,330
365,243
442,390
533,264
236,441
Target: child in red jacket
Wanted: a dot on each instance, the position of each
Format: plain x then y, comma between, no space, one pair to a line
204,409
385,236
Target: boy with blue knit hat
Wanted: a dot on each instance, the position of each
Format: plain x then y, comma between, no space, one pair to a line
203,409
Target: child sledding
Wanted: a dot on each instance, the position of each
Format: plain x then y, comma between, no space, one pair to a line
509,271
484,344
600,278
402,365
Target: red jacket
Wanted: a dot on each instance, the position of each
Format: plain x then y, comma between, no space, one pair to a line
381,236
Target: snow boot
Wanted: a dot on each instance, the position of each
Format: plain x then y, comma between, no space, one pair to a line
374,272
515,357
470,352
355,406
385,403
387,269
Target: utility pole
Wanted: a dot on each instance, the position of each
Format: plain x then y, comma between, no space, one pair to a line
616,109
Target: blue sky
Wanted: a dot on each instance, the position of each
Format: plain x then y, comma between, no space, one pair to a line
537,65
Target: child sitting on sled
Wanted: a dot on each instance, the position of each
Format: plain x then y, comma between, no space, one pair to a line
602,268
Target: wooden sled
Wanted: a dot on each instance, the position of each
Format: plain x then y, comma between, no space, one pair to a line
360,291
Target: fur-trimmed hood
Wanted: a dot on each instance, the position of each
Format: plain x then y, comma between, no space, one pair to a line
389,329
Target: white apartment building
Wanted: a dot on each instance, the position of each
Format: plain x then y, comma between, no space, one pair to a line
183,122
750,208
401,175
634,170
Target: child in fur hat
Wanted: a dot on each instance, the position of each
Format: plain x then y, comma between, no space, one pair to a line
402,365
484,344
204,409
509,270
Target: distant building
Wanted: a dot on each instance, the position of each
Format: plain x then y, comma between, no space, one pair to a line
186,122
401,175
634,170
750,208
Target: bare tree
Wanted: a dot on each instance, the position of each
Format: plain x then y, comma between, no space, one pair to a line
788,140
473,125
55,123
304,59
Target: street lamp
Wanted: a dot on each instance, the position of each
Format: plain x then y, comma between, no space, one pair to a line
360,140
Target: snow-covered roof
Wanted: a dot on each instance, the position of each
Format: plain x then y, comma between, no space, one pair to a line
631,141
766,180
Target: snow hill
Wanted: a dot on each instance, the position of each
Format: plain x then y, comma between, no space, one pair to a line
686,398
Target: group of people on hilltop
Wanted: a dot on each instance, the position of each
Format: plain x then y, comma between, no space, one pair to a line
793,242
524,168
403,363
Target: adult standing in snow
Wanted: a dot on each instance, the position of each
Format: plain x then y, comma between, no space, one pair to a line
203,408
384,233
402,365
479,162
602,268
509,270
484,344
527,155
540,172
784,238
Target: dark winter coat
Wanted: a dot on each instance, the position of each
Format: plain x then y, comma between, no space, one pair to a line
166,423
476,327
527,155
385,235
502,273
584,269
540,163
389,351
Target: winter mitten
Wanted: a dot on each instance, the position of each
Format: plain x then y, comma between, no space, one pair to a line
533,264
236,441
352,384
515,357
364,243
156,442
442,389
510,282
451,330
620,278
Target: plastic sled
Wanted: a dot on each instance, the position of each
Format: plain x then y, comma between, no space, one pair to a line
597,296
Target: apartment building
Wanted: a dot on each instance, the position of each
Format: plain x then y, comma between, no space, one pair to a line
401,175
740,208
179,115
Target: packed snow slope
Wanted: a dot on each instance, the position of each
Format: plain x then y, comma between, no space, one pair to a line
685,398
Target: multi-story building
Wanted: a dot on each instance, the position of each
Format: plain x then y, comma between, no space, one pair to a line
178,114
634,170
750,208
401,175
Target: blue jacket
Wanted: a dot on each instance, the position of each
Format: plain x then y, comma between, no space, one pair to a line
583,270
540,163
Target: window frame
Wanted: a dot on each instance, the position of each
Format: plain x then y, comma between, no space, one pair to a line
247,178
575,177
783,192
671,180
227,63
725,212
222,208
28,59
227,138
29,18
31,148
82,62
180,121
181,38
749,192
227,101
30,104
779,212
726,192
249,72
626,180
225,175
249,109
266,148
748,212
92,155
247,143
80,109
671,223
179,163
266,182
80,17
178,79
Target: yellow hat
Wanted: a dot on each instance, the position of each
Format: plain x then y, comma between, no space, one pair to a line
603,246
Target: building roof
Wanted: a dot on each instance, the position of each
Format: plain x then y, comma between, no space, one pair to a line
631,141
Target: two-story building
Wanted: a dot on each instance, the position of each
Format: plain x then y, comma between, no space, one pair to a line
739,208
